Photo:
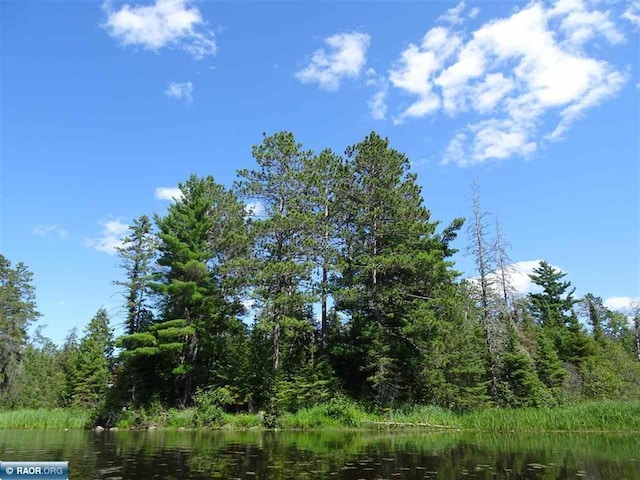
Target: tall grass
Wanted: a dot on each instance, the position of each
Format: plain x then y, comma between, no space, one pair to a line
45,418
606,415
590,416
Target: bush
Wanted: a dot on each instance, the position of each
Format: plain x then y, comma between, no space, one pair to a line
208,407
153,414
344,410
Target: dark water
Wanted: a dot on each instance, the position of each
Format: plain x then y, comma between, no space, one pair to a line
328,455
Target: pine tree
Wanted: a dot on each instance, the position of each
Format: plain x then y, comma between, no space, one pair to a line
596,313
200,238
522,387
550,369
282,262
137,254
552,307
17,312
67,363
454,368
392,261
93,368
41,381
324,177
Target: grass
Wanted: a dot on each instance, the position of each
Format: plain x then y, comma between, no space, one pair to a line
606,415
43,418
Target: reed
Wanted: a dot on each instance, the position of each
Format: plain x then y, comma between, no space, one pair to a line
43,418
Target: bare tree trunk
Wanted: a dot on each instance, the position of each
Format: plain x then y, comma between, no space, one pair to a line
325,269
504,263
276,345
484,263
636,322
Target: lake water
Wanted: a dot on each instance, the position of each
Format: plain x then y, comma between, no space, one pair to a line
126,455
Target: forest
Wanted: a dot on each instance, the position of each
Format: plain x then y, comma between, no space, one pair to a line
318,278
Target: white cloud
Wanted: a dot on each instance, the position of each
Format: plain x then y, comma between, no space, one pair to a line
455,151
632,13
473,13
581,25
518,278
514,74
168,193
453,15
414,72
378,104
345,59
254,209
165,23
49,231
491,91
378,101
625,304
180,91
111,236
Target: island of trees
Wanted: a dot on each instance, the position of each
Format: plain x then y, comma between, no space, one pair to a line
316,279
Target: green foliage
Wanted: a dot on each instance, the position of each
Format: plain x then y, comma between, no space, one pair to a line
153,414
93,369
551,307
392,262
301,391
208,407
521,385
41,381
344,410
17,312
199,239
136,253
548,364
352,289
281,265
42,418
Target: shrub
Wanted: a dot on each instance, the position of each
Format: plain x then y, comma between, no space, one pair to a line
208,407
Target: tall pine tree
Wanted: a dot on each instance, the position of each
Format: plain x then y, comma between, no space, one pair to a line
200,238
137,254
393,263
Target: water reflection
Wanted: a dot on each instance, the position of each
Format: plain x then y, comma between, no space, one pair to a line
328,455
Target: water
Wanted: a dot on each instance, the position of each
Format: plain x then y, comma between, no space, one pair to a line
126,455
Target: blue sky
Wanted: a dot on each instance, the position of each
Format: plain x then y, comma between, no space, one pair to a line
102,105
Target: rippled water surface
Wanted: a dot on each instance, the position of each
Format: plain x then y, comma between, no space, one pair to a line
157,454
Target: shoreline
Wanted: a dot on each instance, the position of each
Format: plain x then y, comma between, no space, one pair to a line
605,416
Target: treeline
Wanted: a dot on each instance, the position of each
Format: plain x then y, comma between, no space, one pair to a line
318,275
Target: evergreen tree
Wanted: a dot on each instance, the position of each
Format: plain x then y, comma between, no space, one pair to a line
324,177
152,361
454,367
94,361
392,262
576,344
282,262
550,369
552,307
521,385
17,312
67,361
41,381
596,313
137,253
201,238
